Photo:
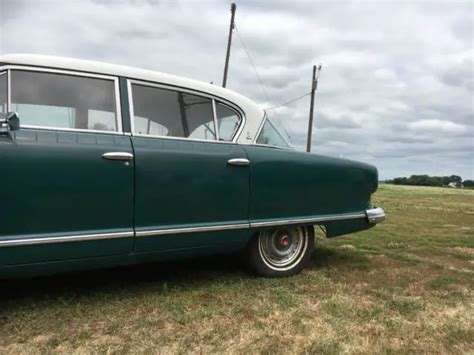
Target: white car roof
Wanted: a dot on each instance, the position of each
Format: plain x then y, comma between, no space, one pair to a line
253,113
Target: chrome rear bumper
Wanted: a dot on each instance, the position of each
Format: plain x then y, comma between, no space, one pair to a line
375,215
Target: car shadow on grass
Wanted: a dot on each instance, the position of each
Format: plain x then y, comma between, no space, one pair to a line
185,274
173,271
201,273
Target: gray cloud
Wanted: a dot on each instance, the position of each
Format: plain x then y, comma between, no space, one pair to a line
397,83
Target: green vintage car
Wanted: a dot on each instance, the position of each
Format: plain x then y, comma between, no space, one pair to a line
105,165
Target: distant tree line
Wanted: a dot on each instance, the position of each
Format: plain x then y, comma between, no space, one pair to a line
468,183
426,180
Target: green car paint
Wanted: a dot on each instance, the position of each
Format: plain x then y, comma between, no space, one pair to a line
177,198
178,184
292,185
59,185
185,184
287,184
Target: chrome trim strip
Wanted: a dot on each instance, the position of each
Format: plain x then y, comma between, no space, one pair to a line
64,239
214,114
336,217
77,130
59,71
157,232
243,121
118,105
271,146
182,139
130,107
9,91
375,215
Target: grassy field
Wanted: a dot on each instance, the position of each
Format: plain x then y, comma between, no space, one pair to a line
406,285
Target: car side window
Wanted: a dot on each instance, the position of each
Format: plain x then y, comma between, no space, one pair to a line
3,92
270,136
228,121
164,112
64,101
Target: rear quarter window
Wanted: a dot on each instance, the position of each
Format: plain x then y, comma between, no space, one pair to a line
269,135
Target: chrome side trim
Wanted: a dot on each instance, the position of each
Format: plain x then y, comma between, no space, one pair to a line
335,217
64,239
9,90
131,110
271,146
157,232
182,139
375,215
77,130
59,71
118,105
214,114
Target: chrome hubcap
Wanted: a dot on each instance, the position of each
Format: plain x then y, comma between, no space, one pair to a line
281,248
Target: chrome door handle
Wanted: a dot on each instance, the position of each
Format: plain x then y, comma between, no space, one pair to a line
117,156
238,162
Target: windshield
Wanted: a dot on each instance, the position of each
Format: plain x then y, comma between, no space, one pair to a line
271,135
3,92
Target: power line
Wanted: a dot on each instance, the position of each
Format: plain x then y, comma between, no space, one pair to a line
259,78
288,102
253,64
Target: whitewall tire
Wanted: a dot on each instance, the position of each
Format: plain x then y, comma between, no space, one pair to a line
280,252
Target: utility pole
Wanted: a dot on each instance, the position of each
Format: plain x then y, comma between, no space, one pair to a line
229,43
314,86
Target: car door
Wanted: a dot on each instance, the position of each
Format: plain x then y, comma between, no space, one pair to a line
192,189
67,173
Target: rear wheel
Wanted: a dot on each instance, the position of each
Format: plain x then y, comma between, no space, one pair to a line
280,252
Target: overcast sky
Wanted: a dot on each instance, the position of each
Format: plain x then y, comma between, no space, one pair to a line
395,91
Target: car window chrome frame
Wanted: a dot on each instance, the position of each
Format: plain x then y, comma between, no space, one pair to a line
214,114
6,71
239,129
114,79
4,127
7,76
271,146
213,98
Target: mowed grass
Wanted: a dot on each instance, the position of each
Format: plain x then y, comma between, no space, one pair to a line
403,286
